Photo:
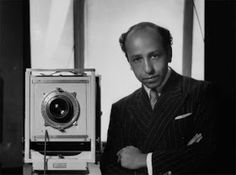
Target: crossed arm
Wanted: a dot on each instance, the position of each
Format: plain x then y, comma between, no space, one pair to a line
119,159
132,158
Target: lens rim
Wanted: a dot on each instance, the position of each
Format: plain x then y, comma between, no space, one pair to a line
50,119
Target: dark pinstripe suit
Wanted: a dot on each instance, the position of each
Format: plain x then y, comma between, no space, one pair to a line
133,122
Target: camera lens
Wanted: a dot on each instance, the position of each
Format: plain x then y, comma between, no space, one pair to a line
60,109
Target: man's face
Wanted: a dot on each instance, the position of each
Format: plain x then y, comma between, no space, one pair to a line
147,57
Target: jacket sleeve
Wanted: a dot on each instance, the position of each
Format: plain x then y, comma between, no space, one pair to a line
196,158
109,164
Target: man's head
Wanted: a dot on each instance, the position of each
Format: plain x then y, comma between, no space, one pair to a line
148,51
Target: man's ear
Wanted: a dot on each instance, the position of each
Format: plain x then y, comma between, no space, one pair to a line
169,54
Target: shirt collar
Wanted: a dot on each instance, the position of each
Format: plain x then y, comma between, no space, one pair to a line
162,85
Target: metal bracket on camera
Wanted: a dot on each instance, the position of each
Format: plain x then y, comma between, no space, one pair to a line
61,72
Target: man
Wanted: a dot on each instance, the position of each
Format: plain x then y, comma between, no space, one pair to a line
166,126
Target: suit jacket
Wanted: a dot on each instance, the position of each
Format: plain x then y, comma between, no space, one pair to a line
160,131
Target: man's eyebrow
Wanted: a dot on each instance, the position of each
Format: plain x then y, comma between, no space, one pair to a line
135,56
155,51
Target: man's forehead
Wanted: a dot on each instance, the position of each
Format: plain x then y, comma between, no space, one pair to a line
147,32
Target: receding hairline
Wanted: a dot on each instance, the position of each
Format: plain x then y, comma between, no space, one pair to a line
144,29
161,31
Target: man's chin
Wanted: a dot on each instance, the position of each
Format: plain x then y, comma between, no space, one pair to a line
152,86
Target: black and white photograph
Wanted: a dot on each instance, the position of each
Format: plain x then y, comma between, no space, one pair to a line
109,87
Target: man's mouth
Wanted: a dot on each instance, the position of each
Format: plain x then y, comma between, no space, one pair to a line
152,78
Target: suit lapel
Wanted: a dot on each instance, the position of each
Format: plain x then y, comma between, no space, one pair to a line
165,109
141,111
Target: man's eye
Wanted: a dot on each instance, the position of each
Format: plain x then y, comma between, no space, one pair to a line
136,59
155,56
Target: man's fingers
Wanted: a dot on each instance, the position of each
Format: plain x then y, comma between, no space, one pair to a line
125,149
119,158
128,151
119,152
119,155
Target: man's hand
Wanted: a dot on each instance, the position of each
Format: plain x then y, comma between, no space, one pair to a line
131,157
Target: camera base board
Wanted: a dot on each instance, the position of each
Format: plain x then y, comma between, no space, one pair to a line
93,169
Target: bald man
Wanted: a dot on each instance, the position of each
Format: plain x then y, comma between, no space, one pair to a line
166,126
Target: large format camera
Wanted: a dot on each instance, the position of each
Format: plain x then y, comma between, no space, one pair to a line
62,119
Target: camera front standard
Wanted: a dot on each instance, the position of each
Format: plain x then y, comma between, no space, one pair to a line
61,119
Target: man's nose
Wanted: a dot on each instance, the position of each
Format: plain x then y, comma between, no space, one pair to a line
148,67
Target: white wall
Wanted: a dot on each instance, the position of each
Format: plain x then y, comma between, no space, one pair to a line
51,27
105,21
198,40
